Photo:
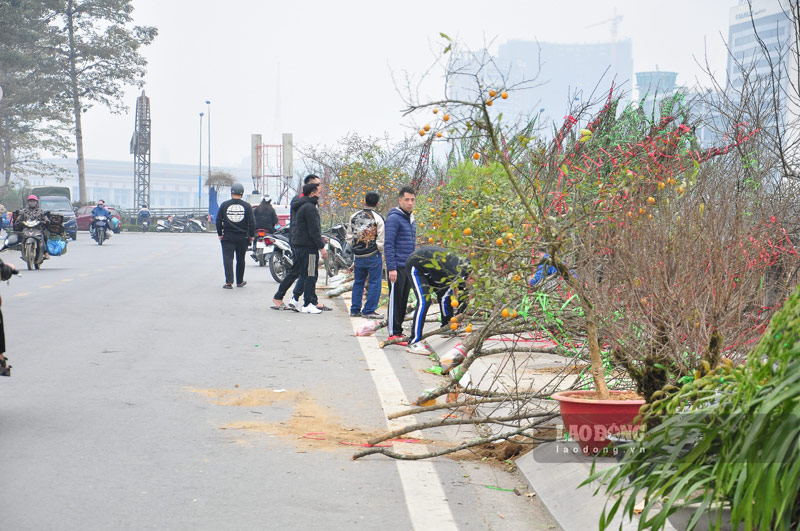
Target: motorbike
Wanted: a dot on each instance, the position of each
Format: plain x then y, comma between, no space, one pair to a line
12,240
33,243
340,252
264,247
100,229
282,259
164,225
194,225
145,224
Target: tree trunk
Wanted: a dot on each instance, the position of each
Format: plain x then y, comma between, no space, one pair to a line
598,372
5,163
76,104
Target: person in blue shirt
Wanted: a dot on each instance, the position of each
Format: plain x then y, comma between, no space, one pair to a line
100,210
543,270
144,214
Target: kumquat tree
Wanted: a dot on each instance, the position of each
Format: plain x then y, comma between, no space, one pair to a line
615,237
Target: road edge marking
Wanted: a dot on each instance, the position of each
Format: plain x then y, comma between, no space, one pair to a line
426,500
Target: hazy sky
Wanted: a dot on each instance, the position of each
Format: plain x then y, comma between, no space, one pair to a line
320,69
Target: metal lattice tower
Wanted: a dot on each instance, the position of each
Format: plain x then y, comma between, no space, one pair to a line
140,149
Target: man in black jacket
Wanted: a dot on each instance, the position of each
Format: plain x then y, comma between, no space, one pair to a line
306,244
236,228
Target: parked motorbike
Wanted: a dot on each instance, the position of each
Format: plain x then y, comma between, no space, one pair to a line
281,259
164,225
100,229
340,252
33,243
194,225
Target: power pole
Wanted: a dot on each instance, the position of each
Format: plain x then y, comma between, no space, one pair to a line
140,148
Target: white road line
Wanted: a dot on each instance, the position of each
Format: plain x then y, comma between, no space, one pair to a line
46,287
66,280
425,498
24,294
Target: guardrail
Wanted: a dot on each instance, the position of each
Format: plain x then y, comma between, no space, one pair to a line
131,215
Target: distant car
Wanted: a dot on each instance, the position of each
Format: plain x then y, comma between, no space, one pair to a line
59,204
84,217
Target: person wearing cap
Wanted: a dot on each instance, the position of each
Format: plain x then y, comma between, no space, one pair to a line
33,212
236,228
436,270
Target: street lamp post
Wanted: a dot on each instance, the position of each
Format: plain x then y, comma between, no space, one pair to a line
208,102
200,170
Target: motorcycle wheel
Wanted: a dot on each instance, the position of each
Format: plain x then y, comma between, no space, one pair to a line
29,253
277,267
100,236
262,260
331,267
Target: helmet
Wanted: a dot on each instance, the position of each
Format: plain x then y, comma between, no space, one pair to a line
267,198
100,202
32,198
237,189
144,205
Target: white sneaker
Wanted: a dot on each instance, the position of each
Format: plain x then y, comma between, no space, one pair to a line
294,305
419,348
310,308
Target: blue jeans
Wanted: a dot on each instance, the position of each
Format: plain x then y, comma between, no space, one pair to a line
372,267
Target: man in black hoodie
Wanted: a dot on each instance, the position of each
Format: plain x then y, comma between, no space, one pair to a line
306,244
236,228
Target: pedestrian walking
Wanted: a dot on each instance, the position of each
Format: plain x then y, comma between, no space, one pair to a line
401,237
236,228
366,233
294,273
436,270
307,247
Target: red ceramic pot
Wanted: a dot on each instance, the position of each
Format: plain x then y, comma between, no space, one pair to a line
589,422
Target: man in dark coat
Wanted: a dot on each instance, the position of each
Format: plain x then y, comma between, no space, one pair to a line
236,228
266,217
401,237
307,246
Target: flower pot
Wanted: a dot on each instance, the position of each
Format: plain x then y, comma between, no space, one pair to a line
589,422
680,518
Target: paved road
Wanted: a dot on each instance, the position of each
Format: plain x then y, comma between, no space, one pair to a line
143,396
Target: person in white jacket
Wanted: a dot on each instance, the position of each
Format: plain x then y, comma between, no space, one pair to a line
366,234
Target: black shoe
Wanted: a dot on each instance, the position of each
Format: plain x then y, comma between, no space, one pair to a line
355,314
5,368
372,315
227,286
241,284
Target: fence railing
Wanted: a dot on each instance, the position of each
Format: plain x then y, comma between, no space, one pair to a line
130,215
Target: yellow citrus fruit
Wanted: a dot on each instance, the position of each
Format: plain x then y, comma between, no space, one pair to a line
509,235
422,132
517,278
651,200
476,156
642,211
453,326
514,314
468,328
661,186
681,189
446,117
430,200
427,127
454,304
489,103
492,93
435,111
499,241
467,231
504,95
453,320
505,313
439,134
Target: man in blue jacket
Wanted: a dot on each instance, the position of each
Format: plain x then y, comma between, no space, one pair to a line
401,237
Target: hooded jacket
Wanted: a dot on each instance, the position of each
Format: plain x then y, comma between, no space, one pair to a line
306,225
401,238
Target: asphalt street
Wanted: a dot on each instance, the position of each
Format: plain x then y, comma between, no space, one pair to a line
144,396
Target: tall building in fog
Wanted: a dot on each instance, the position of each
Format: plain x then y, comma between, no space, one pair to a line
562,74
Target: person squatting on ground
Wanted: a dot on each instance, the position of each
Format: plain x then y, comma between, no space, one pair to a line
236,228
366,233
33,212
307,247
401,237
435,270
296,270
6,270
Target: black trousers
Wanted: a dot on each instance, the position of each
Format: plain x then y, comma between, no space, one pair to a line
234,246
292,275
398,301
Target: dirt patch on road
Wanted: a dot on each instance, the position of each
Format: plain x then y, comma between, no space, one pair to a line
245,397
310,427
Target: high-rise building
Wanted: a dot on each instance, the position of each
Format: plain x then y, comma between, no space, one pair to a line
560,75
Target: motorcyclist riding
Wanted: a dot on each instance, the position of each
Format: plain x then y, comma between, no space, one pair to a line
144,214
33,212
101,210
266,218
